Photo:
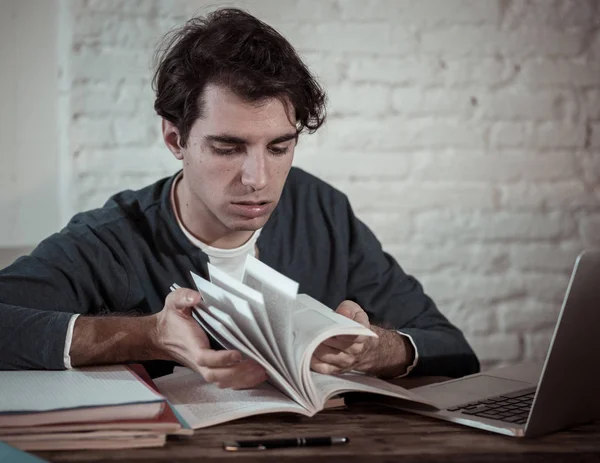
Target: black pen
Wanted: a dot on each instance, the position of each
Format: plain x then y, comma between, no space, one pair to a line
264,444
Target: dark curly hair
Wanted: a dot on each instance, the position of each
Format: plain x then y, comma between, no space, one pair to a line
233,48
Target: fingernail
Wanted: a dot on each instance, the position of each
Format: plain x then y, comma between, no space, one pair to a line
190,298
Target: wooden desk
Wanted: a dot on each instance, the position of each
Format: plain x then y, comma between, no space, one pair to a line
376,435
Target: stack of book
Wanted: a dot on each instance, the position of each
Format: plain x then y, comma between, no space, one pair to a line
86,408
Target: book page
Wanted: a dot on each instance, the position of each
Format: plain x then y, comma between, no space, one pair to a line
36,391
263,338
328,386
238,308
203,404
279,293
314,322
225,328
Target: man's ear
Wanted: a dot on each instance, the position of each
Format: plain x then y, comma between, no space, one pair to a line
172,138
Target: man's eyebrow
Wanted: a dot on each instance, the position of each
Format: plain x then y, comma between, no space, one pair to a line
284,138
233,140
230,139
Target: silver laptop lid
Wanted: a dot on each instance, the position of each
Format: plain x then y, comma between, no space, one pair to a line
568,390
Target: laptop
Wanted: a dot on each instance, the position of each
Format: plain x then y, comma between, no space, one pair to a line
534,399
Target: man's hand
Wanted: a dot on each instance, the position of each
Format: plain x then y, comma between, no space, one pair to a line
342,353
171,334
177,336
388,355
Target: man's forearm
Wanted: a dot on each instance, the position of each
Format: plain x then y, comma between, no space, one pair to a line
108,340
389,355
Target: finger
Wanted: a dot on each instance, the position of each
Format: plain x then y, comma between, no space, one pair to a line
348,309
334,357
250,380
243,375
183,298
209,358
345,343
321,367
353,311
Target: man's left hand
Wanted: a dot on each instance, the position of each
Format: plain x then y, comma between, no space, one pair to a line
388,355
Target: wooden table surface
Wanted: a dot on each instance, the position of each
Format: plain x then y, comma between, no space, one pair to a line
376,435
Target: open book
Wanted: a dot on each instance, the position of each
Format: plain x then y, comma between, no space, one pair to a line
265,318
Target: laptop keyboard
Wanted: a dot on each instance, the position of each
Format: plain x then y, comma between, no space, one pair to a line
511,408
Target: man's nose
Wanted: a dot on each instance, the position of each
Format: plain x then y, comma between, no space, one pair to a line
254,170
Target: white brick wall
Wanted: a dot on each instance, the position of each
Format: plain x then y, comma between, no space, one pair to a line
465,132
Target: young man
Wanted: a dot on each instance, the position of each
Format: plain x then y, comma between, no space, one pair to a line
234,97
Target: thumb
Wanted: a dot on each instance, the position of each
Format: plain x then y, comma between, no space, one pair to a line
183,300
353,311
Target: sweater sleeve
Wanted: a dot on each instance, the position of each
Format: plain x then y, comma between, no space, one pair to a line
67,273
397,301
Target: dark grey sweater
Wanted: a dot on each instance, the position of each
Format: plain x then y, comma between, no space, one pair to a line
124,256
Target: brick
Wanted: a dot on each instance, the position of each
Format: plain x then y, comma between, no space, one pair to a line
557,14
520,104
527,315
564,72
472,287
503,166
405,196
389,227
328,68
94,190
433,102
546,287
472,319
129,161
111,66
137,7
565,195
489,41
461,41
537,345
595,138
560,135
135,131
91,133
547,135
512,135
475,71
545,257
350,38
395,133
397,71
589,162
106,99
276,11
496,347
424,12
502,226
589,230
590,102
359,99
332,165
419,258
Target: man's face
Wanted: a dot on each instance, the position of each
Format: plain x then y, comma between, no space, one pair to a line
235,163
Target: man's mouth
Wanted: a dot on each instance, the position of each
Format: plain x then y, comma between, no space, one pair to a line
251,203
251,209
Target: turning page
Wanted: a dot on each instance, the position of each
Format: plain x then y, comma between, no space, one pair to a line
268,344
279,293
204,404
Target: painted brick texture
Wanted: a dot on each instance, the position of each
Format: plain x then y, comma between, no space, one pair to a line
465,132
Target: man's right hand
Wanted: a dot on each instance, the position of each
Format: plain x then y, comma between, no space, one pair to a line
177,336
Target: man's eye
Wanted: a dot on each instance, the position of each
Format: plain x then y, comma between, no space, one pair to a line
225,151
278,151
